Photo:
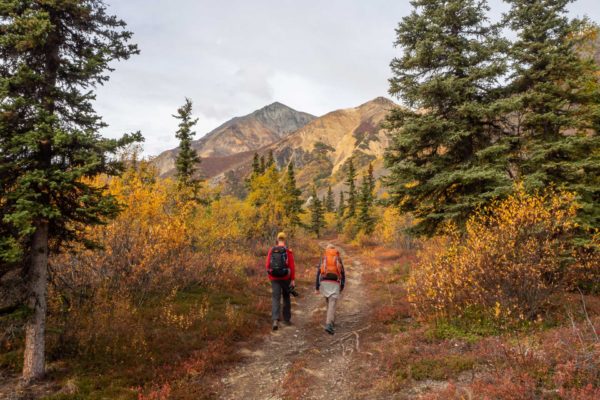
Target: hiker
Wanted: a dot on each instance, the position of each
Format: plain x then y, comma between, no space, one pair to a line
331,279
282,274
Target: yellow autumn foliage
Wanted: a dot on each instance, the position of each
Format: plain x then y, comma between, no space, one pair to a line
513,260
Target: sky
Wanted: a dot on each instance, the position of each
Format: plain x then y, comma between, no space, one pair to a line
232,57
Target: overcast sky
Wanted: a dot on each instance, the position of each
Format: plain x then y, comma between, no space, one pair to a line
232,57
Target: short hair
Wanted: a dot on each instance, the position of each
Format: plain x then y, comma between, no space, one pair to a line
330,246
281,236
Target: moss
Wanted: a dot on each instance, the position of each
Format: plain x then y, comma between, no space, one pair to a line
435,368
12,360
98,388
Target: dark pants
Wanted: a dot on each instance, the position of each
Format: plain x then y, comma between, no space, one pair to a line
279,289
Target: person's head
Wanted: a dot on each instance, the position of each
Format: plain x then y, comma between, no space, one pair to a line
281,238
330,246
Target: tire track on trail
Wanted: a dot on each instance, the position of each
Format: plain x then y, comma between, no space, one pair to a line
302,360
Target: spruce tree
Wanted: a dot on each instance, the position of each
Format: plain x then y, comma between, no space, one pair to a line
317,213
351,184
554,94
330,201
447,76
187,158
255,165
54,54
341,205
270,160
293,201
263,165
366,200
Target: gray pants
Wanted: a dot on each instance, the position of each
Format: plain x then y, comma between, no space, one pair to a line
281,289
331,301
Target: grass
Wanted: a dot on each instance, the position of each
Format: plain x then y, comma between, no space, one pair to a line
438,368
97,387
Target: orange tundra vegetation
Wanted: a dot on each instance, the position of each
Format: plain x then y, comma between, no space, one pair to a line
152,312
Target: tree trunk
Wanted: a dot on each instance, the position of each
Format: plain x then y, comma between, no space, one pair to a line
34,358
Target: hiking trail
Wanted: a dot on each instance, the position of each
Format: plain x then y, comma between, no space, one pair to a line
302,360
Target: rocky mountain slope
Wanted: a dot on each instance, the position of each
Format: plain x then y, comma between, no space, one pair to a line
320,149
241,134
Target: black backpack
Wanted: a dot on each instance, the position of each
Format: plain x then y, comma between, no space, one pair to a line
278,264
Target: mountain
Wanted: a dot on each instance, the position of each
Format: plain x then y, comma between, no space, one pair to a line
320,149
239,135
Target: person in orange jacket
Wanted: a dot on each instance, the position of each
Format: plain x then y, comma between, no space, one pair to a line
282,274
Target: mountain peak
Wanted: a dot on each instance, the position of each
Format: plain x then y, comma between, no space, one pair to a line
380,101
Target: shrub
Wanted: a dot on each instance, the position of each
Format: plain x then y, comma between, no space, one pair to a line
392,229
514,257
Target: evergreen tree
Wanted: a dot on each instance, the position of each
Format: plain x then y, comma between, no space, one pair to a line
341,205
317,213
187,159
256,165
555,93
263,165
366,200
54,54
293,202
270,159
351,183
330,201
447,76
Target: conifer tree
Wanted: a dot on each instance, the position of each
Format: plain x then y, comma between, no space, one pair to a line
555,92
187,158
263,165
351,184
330,201
341,205
293,201
366,200
54,54
447,76
255,165
317,213
270,159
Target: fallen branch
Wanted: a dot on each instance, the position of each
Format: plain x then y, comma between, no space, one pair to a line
587,317
348,335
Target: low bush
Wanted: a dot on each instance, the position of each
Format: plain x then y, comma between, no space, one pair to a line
513,260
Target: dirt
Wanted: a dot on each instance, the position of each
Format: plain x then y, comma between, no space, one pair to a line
302,361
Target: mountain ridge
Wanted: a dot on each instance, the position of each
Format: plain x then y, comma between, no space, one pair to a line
240,134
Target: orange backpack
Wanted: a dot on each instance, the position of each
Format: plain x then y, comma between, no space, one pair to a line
331,267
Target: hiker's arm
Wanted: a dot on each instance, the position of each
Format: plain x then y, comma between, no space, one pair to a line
268,261
292,265
318,280
343,277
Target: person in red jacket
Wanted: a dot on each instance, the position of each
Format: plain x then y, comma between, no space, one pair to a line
282,274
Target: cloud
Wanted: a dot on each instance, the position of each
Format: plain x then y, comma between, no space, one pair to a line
233,57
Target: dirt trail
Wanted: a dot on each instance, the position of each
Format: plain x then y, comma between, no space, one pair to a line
303,361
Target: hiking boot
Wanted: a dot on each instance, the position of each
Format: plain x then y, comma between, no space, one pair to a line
275,325
287,323
329,329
